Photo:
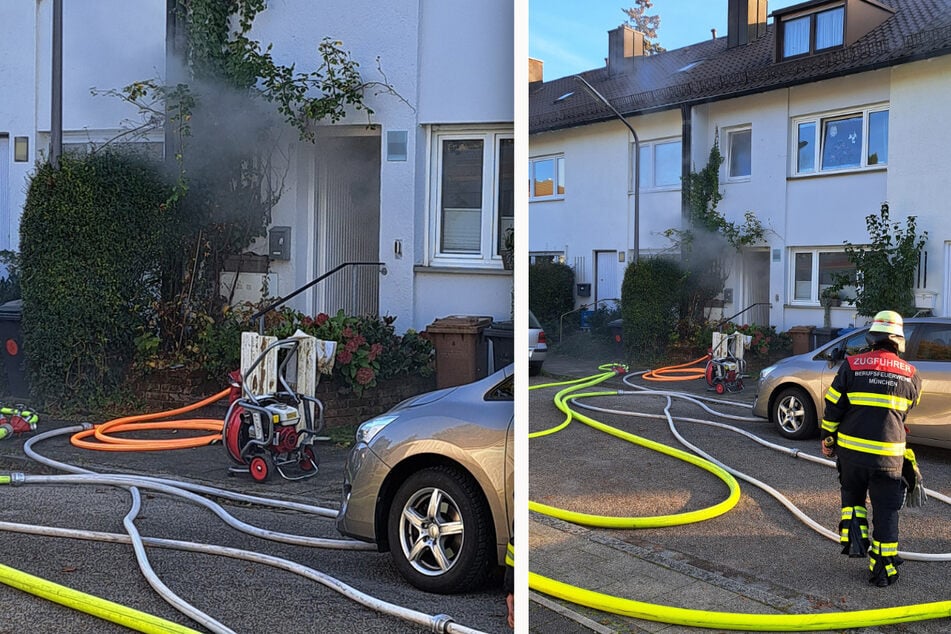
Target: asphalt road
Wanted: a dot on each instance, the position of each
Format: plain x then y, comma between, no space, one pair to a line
244,596
759,543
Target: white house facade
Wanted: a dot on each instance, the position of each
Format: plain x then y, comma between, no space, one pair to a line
822,115
427,189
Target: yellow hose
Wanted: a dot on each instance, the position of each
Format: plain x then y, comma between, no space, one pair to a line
96,606
738,621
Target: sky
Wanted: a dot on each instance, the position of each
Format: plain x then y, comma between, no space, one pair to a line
571,36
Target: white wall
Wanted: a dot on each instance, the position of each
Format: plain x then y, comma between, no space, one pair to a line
918,151
465,61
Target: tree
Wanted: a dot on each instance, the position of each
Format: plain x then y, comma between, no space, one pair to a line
709,241
885,270
638,18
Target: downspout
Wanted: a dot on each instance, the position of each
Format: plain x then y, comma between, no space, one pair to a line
686,143
56,89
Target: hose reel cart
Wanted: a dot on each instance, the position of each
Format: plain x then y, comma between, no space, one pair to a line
270,425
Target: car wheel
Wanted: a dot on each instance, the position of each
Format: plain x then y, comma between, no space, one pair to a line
534,369
794,414
440,531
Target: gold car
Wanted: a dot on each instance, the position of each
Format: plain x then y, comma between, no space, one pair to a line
791,392
431,481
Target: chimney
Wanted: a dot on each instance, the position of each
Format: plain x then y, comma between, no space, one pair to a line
746,21
624,43
535,70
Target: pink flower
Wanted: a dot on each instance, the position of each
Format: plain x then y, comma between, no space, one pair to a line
375,351
365,376
351,346
347,332
322,319
344,357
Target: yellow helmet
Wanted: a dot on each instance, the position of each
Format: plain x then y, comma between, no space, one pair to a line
887,326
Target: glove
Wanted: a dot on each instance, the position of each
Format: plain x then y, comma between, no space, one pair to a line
915,494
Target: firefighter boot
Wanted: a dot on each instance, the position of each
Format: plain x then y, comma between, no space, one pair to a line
853,531
883,560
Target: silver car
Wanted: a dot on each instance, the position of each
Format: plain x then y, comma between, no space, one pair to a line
791,392
431,481
537,345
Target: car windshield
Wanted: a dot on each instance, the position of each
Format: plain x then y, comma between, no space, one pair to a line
532,321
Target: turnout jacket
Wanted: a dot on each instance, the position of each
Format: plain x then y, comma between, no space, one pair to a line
866,407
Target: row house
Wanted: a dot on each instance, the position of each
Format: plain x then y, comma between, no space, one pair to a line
822,113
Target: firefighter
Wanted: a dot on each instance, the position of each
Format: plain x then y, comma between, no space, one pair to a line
863,427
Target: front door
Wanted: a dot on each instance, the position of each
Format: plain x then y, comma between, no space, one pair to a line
605,266
348,224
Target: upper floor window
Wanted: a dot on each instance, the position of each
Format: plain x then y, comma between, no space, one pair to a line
659,165
739,158
841,141
813,32
547,177
473,194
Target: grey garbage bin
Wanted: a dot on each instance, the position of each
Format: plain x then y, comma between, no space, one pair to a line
11,348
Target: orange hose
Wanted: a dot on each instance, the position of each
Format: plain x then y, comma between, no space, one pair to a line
138,422
682,372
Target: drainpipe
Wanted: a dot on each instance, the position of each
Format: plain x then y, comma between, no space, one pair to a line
686,136
56,90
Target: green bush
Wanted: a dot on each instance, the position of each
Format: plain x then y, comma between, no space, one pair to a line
550,292
89,239
650,301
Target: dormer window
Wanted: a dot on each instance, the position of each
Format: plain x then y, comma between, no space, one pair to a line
806,34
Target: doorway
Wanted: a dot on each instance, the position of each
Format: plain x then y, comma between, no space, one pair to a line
348,224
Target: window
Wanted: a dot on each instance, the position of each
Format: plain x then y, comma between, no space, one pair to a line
474,194
659,165
740,153
815,270
814,32
842,141
934,344
547,176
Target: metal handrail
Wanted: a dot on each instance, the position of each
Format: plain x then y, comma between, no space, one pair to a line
561,324
729,319
259,316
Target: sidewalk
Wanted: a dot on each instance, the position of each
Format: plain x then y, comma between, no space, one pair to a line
600,561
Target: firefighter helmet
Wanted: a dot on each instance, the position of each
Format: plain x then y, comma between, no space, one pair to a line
887,328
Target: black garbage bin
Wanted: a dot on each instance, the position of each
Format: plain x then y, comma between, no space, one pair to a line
501,349
11,348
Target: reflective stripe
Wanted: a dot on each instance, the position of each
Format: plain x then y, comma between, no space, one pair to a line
830,425
888,549
871,399
510,555
871,446
833,395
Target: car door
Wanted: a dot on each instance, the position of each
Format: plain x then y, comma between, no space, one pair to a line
930,421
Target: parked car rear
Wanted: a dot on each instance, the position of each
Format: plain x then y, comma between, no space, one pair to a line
791,392
537,345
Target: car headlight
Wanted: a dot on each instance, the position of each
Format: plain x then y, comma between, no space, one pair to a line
374,426
765,372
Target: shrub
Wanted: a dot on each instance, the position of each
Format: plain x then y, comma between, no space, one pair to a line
550,291
89,237
650,300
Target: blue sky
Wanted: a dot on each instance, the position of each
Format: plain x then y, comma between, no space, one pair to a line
571,36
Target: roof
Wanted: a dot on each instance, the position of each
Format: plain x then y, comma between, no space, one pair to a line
710,71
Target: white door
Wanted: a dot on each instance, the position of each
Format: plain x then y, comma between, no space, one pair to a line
605,266
348,224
